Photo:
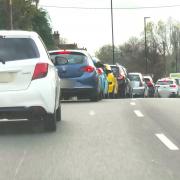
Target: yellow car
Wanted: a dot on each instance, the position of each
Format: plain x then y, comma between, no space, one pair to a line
112,81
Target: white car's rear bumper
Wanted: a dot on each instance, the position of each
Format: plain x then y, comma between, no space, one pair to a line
164,93
138,91
38,94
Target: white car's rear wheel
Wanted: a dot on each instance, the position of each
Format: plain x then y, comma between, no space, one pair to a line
50,122
58,113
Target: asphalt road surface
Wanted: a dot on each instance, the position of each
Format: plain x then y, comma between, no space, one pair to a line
120,139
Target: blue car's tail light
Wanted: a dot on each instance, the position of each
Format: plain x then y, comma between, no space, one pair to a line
88,69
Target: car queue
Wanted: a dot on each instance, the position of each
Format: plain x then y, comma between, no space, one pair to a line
86,77
33,81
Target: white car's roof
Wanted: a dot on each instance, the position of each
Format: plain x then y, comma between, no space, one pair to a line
135,73
147,76
167,80
18,33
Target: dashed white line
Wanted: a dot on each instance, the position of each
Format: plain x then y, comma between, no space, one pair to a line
167,142
20,164
138,113
132,103
92,113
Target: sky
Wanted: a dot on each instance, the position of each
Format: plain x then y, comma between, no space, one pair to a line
91,28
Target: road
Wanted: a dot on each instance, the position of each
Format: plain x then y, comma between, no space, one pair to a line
117,139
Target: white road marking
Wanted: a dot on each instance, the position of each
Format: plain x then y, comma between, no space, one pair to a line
74,98
167,142
138,113
20,164
133,99
92,113
11,120
132,103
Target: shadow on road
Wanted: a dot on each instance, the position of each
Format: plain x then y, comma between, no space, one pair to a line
21,128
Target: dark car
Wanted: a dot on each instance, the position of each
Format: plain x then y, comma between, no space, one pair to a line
124,86
78,74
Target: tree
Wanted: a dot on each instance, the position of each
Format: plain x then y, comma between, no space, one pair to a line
27,16
40,24
105,54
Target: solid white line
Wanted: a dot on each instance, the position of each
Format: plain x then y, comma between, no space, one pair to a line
132,103
20,164
138,113
167,142
11,120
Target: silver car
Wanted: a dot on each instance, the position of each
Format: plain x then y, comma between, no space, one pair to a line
178,84
138,85
166,87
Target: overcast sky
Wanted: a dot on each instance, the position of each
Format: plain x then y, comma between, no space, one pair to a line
91,28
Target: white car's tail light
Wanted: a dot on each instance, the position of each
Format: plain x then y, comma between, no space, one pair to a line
40,71
173,86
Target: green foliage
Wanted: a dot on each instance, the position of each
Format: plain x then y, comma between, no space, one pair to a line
27,16
4,15
40,24
163,47
105,54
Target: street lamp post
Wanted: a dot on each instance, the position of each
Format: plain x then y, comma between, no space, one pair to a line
11,16
112,28
145,43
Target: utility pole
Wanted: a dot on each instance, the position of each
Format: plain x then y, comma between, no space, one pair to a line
164,56
11,15
112,28
176,47
145,43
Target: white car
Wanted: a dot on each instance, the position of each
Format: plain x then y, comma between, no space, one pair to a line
178,84
29,82
138,85
166,87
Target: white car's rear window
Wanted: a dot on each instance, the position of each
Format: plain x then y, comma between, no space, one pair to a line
12,49
164,82
133,77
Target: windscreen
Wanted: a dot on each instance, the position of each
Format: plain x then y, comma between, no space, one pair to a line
164,82
18,49
134,77
73,57
115,70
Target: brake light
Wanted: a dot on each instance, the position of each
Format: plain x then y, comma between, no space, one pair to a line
88,69
121,77
149,84
40,71
100,71
62,52
173,86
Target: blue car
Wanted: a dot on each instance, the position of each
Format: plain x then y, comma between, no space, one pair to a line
102,77
79,76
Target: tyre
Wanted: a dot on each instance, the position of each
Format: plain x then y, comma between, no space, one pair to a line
58,113
106,96
95,98
111,95
50,122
